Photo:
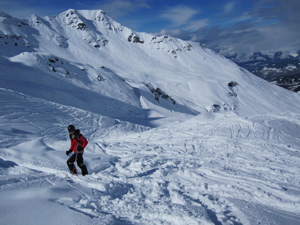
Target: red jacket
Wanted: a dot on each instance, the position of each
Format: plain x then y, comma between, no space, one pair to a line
78,143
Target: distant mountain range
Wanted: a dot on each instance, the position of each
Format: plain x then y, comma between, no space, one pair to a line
280,68
289,82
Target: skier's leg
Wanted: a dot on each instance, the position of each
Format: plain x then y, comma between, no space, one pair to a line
81,164
70,163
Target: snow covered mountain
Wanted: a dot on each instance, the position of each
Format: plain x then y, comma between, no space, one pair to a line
270,65
177,133
289,82
76,49
276,66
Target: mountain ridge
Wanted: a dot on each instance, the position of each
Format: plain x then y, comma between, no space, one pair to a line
87,49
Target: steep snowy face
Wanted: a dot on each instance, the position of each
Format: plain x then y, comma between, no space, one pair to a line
151,76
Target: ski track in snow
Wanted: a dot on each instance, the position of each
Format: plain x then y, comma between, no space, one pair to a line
198,173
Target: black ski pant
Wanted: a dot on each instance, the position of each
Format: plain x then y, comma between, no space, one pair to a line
79,159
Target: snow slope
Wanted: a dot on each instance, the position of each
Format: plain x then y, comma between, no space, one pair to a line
205,153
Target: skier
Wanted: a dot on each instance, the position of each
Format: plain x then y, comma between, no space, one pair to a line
78,143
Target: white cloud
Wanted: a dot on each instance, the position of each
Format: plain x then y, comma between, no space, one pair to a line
118,8
270,25
229,7
197,24
179,15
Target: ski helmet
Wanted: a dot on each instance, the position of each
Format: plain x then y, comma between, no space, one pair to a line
71,128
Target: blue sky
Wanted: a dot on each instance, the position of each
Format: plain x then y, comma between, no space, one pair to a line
226,26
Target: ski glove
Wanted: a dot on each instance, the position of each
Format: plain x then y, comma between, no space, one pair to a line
68,152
